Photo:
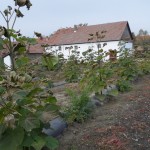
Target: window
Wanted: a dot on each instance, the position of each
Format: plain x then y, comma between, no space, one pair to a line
112,55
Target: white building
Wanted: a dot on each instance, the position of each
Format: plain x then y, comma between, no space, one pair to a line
7,61
4,55
82,38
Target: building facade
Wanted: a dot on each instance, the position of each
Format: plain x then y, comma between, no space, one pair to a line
94,37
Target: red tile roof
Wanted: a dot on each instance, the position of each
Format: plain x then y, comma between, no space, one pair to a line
36,49
33,49
81,35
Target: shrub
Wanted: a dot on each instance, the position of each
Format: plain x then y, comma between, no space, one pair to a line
123,85
71,68
79,110
144,66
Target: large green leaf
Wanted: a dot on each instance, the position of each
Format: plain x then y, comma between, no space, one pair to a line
113,92
51,100
24,101
23,111
27,85
50,61
34,91
20,94
54,60
21,97
51,143
22,61
20,48
38,143
31,41
47,63
12,139
30,123
28,140
52,107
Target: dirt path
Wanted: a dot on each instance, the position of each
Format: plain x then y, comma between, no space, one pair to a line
123,124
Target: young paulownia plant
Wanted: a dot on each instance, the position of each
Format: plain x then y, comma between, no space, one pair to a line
23,104
98,73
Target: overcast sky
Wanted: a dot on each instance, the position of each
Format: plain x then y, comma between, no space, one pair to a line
46,16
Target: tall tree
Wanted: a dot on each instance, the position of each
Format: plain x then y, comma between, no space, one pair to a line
142,32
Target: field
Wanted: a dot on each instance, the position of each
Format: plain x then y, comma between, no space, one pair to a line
121,124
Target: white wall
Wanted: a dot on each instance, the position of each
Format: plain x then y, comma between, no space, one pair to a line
7,61
84,47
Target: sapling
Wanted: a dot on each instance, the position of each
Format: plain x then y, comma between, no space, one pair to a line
22,103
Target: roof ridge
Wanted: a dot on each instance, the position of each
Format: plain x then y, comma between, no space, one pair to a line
70,28
69,36
93,25
110,23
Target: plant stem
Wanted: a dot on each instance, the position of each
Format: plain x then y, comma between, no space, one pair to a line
3,16
11,15
14,22
10,47
15,19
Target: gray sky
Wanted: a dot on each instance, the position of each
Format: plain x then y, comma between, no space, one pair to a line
47,16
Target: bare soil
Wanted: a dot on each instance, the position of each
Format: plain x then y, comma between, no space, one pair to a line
121,124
